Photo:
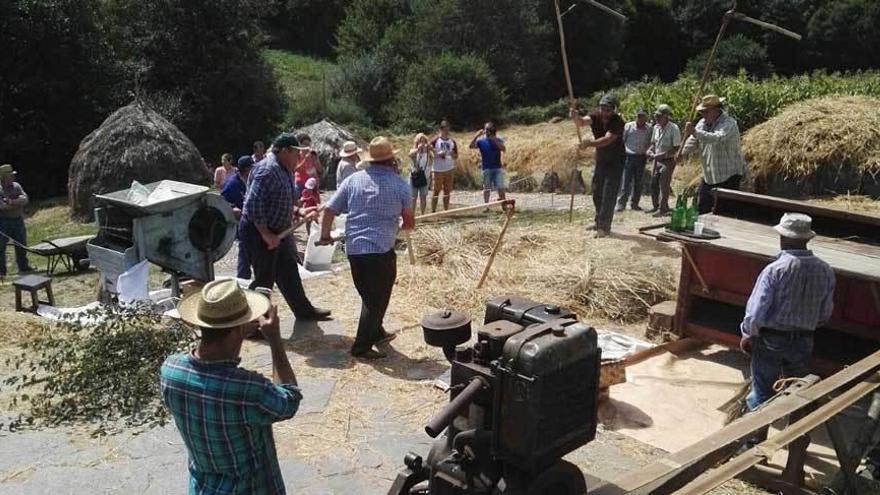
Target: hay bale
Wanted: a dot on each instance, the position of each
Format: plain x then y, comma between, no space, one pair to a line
327,139
817,147
133,143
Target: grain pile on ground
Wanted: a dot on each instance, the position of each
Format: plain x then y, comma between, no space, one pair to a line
134,143
817,147
595,278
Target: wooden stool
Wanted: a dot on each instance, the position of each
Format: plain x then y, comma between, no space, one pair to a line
32,284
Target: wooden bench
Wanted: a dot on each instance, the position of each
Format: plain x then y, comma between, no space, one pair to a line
33,284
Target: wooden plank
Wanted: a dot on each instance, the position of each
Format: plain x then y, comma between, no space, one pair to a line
791,400
795,206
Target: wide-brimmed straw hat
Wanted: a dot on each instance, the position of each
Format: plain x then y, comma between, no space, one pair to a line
380,150
222,304
349,148
795,226
711,101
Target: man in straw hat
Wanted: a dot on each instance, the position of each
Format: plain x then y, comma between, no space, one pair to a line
717,136
375,200
792,296
607,126
349,156
224,412
268,211
13,199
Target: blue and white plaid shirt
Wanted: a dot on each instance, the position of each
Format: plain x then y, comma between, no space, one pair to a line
794,293
374,199
720,149
270,195
224,414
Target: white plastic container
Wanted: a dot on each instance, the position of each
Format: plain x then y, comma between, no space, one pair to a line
318,258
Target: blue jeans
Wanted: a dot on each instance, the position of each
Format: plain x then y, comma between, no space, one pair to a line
776,355
492,179
14,228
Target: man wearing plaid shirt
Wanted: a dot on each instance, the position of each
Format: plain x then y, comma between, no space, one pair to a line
717,136
223,412
792,296
268,210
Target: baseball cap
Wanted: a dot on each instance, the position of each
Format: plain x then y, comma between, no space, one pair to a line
287,140
641,111
608,100
245,162
663,109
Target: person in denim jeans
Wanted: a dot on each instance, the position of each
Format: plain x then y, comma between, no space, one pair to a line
791,298
13,199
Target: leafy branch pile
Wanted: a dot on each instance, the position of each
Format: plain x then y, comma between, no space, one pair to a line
104,373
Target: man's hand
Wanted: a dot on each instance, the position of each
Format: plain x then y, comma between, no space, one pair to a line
272,241
745,344
588,143
573,113
688,129
324,241
269,326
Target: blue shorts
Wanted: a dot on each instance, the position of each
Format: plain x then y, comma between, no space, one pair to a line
493,179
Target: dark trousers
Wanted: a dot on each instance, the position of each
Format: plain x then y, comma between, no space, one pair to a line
661,183
777,354
243,267
633,174
14,228
373,276
278,266
707,196
606,185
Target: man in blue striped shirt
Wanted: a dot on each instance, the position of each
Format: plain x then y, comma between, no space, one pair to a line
375,199
792,296
223,412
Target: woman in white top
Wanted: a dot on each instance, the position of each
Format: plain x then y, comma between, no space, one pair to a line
422,156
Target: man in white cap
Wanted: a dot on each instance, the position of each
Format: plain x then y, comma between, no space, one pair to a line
791,298
349,156
717,137
379,204
224,412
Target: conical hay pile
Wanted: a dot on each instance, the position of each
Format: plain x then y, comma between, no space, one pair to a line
820,146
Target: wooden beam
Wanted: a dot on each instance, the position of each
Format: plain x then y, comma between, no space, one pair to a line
687,254
765,450
464,209
495,248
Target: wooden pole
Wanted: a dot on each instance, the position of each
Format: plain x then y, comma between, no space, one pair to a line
572,102
409,247
463,209
496,247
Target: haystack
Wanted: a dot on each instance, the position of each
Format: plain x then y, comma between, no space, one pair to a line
823,146
327,139
134,143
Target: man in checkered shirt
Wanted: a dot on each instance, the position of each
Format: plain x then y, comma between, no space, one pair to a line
792,296
716,135
224,412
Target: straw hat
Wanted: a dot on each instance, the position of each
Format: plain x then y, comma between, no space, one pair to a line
349,148
795,226
222,304
711,101
380,150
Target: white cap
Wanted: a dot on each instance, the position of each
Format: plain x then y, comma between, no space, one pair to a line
795,226
312,183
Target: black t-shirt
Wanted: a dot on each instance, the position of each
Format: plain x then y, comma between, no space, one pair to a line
615,150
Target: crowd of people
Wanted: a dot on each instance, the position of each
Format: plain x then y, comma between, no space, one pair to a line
623,151
269,191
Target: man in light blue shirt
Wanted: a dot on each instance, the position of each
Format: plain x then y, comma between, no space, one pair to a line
792,297
375,200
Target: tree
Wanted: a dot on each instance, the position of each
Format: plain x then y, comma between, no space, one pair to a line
735,53
843,35
198,63
652,42
57,78
305,26
460,88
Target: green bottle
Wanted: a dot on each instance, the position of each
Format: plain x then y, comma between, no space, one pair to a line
692,214
677,224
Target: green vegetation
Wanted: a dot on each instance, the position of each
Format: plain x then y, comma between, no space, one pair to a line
103,374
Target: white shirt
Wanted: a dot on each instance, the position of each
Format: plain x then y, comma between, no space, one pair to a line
665,139
636,140
443,164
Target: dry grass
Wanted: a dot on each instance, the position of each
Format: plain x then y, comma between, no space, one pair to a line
18,327
851,203
596,278
832,131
